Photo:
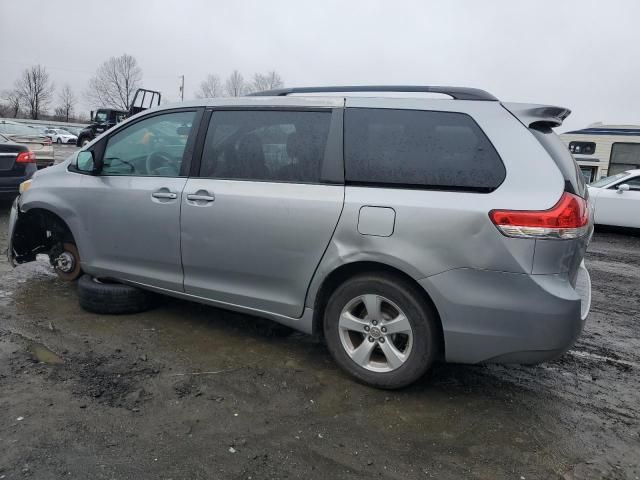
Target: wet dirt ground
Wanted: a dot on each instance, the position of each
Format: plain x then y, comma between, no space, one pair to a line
193,392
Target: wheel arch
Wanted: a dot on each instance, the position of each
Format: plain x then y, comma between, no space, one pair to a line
37,230
348,270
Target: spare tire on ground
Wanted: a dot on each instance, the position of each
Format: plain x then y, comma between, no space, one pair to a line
100,295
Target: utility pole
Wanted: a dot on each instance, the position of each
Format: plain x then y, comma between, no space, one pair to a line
182,88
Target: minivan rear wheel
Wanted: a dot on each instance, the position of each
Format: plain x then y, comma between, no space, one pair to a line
381,330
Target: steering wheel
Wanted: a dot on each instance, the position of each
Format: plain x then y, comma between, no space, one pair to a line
160,163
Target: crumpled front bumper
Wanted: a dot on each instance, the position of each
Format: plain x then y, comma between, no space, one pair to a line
13,219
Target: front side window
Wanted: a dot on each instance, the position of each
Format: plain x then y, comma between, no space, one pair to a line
277,146
440,150
634,183
153,146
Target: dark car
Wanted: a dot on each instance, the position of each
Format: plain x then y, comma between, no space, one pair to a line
17,164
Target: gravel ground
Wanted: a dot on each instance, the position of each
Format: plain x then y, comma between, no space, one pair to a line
192,392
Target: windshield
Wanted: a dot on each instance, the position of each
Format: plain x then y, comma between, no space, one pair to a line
100,116
603,182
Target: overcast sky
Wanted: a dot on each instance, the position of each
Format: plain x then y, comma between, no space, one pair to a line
579,54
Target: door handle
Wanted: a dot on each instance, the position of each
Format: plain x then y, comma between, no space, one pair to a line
204,198
167,195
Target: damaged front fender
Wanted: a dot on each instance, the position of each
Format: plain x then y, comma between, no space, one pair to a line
34,231
13,219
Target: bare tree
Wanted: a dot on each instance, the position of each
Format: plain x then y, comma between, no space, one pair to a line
60,114
115,83
235,85
210,87
267,81
35,89
14,102
67,102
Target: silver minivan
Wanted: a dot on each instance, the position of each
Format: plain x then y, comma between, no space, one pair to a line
403,230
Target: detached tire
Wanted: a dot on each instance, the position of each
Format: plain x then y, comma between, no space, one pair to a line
380,329
107,297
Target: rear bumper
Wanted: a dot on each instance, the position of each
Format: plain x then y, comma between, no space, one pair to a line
12,184
505,317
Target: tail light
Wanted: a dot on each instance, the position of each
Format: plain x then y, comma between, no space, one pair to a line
569,218
26,157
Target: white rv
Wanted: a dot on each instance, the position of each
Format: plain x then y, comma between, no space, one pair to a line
603,150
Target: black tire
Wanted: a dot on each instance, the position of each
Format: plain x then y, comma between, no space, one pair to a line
58,141
421,315
103,296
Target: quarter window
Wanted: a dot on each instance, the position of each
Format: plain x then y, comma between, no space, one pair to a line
439,150
151,147
279,146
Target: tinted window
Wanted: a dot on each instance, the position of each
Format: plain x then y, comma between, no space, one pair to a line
150,147
266,145
582,148
421,148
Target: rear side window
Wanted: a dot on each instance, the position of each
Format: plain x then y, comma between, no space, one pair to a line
279,146
423,149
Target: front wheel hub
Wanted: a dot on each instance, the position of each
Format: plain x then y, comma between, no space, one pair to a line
65,262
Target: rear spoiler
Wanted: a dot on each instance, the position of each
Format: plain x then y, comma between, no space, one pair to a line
532,115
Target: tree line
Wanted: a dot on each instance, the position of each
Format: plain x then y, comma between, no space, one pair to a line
235,84
114,84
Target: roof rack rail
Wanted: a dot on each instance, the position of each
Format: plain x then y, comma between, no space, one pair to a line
457,93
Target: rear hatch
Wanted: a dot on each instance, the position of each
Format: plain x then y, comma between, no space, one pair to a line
557,256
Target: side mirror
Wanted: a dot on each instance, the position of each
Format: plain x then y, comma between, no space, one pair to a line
85,162
623,188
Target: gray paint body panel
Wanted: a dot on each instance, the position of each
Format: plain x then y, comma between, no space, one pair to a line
488,315
262,240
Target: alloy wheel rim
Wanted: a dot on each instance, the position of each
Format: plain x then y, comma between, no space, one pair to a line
375,333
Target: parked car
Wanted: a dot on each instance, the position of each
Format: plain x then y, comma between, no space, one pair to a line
58,135
73,130
402,230
38,143
17,164
616,199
